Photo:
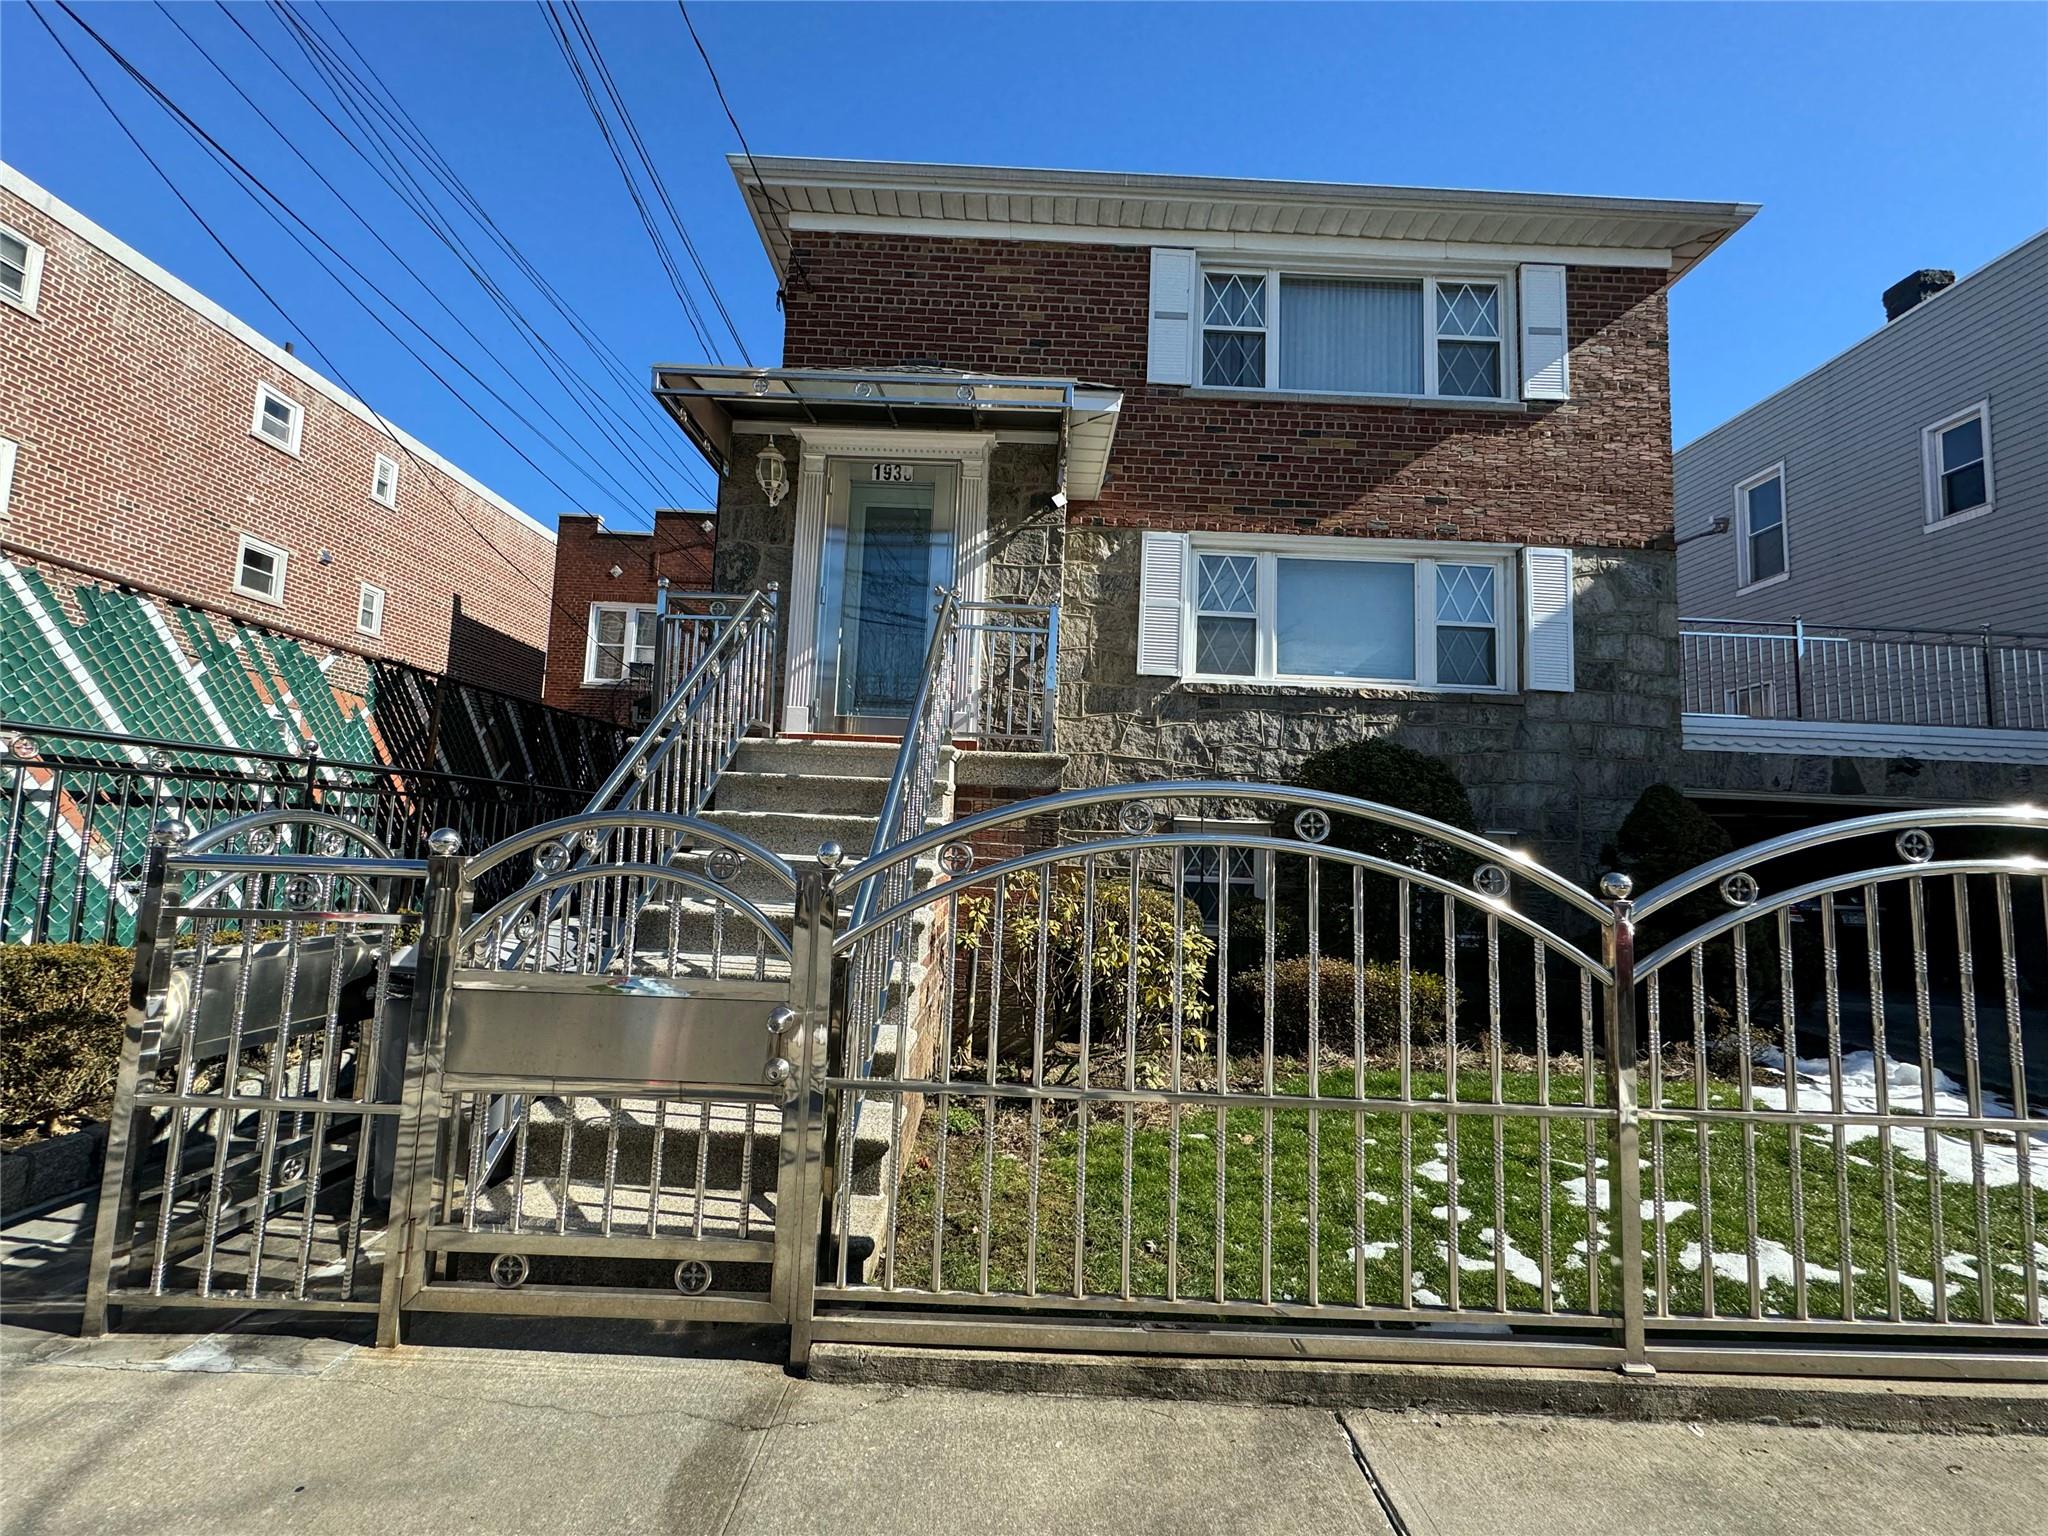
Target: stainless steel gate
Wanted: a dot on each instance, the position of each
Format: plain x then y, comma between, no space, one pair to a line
606,1111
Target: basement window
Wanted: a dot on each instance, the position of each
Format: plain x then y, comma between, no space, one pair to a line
384,481
277,419
260,569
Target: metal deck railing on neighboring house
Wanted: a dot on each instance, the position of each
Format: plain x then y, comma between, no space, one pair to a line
1977,679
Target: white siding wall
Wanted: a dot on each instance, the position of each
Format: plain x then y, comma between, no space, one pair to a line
1849,434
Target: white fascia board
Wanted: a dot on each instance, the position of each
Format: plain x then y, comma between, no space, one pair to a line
1821,738
60,212
1246,244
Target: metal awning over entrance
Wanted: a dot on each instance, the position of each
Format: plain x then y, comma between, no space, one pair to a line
711,404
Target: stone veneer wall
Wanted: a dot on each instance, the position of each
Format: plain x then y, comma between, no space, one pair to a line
1557,770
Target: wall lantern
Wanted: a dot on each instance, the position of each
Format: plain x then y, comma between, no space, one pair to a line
771,470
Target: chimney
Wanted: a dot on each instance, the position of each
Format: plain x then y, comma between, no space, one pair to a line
1909,291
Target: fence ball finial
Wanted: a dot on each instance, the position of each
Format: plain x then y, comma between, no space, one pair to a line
444,840
1616,886
831,855
171,832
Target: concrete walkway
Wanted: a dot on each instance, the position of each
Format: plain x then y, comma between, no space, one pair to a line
687,1431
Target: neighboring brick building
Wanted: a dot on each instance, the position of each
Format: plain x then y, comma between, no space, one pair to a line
147,435
604,587
1298,462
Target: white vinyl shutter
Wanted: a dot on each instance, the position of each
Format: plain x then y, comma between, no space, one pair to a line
1170,344
1544,342
1162,599
1547,619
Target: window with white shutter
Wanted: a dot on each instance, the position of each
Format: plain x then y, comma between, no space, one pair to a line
1547,619
1170,347
1162,603
1545,343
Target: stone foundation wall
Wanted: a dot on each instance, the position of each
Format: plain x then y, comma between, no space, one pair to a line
1555,771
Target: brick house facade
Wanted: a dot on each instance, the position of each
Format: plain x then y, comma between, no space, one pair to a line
1545,487
130,408
601,571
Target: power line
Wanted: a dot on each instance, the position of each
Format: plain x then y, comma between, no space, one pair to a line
776,211
386,245
535,343
270,299
256,185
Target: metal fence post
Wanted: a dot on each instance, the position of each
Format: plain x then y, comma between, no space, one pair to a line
1627,1214
1052,671
148,982
800,1222
419,1122
1798,669
1990,676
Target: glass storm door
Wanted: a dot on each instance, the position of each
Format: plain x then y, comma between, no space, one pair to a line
888,546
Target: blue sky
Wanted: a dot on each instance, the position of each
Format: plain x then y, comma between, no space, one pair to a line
1878,140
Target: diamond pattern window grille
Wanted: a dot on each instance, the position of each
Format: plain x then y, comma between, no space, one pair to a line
1226,647
1225,584
1464,594
1470,369
1464,657
1468,309
1234,359
1237,300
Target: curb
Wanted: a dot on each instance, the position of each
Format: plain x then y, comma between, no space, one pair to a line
1942,1407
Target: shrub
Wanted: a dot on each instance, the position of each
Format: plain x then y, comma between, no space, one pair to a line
1337,991
62,1012
1102,970
1665,834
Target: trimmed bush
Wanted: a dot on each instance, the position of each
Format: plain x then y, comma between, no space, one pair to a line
62,1011
1337,992
1103,970
1664,834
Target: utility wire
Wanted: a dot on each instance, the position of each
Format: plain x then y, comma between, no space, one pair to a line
535,343
255,186
351,86
625,116
269,298
776,210
429,289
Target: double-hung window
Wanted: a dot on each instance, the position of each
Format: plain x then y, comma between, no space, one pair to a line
1326,614
384,481
1957,454
260,569
621,638
21,269
1760,512
1420,337
1211,871
277,419
370,610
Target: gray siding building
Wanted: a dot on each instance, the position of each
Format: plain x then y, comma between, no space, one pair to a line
1901,484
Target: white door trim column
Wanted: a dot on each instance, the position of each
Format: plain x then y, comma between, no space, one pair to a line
968,450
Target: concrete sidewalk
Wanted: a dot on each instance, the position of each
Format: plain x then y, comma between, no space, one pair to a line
694,1430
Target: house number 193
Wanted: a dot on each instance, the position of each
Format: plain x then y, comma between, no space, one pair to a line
892,474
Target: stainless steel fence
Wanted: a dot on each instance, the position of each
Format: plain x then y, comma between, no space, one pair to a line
1211,1068
1008,674
1864,676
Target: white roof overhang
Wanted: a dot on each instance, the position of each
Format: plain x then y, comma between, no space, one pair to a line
712,404
1000,202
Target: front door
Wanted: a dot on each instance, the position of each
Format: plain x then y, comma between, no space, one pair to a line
888,550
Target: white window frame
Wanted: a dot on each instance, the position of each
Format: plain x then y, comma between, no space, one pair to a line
31,275
1931,468
1502,280
389,496
363,596
9,452
265,393
281,557
1261,879
1743,581
1422,558
591,677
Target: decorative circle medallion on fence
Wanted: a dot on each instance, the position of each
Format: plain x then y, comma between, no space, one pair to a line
1136,817
723,864
693,1277
551,858
262,840
508,1271
1490,880
302,893
956,858
1739,889
1916,845
1312,825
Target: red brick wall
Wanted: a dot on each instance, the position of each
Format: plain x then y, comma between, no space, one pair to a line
680,547
1592,470
132,415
